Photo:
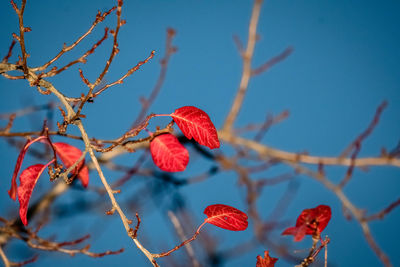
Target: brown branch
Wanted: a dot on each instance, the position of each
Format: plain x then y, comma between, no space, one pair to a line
96,164
19,264
169,51
22,30
267,65
271,153
238,44
160,255
74,242
314,253
269,121
130,172
246,72
81,59
6,57
4,258
380,215
9,124
130,133
114,50
99,18
38,243
31,78
356,145
28,110
134,234
367,131
129,72
179,230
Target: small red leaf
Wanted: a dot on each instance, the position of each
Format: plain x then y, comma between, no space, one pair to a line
69,155
195,123
13,190
226,217
28,179
310,222
168,154
267,261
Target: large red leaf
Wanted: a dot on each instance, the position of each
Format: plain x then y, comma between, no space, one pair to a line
267,261
226,217
195,123
168,154
28,179
13,190
69,155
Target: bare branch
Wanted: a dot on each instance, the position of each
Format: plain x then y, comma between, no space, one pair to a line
246,72
99,18
169,51
267,65
6,57
380,215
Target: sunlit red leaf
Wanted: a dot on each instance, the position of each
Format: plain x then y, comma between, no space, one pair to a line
13,190
28,179
168,154
69,155
267,261
310,222
195,123
226,217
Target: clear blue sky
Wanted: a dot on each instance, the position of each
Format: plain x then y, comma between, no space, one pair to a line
346,61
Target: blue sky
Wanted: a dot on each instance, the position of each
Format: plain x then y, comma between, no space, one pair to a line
345,63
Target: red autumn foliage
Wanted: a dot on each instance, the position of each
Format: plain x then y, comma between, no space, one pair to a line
226,217
310,222
168,154
69,155
195,123
28,179
267,261
13,190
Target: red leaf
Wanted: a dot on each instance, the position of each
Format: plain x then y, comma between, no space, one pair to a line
69,155
310,222
28,179
267,261
195,123
226,217
13,190
168,154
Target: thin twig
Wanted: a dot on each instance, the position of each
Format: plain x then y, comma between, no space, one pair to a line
356,145
99,18
128,73
246,72
380,215
22,29
179,230
6,57
169,51
4,258
160,255
267,65
81,59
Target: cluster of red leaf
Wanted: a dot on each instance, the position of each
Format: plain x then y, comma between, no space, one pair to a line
310,222
28,178
168,153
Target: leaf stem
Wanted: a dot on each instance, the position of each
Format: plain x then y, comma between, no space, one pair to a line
160,255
